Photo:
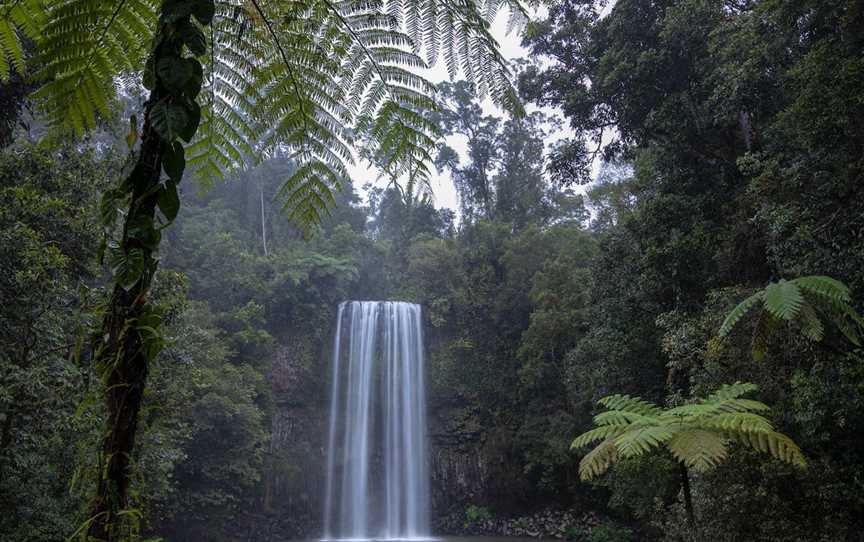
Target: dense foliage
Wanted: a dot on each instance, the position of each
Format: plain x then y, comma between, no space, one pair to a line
719,242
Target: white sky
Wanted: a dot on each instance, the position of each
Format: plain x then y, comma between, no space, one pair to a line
444,192
442,185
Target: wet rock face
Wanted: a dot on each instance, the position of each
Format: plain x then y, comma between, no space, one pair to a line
293,484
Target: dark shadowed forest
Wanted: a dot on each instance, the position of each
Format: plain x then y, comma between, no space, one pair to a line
641,323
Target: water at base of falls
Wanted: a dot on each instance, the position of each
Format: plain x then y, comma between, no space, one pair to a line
377,473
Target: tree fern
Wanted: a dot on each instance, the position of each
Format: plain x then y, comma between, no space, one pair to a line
316,79
804,302
84,49
698,435
20,20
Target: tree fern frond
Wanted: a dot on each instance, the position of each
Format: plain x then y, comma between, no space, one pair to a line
775,444
83,46
598,460
739,312
621,417
731,391
699,449
811,326
19,21
783,300
823,286
802,301
627,403
696,434
643,439
598,433
738,422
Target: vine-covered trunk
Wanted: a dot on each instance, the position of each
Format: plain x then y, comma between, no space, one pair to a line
131,334
122,359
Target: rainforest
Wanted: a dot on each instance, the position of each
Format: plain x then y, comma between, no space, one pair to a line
420,270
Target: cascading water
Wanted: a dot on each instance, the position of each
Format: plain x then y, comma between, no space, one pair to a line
377,474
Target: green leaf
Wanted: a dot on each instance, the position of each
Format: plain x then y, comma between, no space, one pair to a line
192,37
142,229
149,78
783,300
168,119
174,72
193,85
174,160
204,10
127,268
108,207
168,200
187,132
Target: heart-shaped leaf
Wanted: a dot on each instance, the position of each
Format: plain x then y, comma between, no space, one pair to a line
168,200
174,72
169,119
127,267
191,126
174,160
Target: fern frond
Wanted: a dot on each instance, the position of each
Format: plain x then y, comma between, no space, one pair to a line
19,21
598,433
696,434
627,403
699,450
731,391
824,286
622,417
598,460
811,326
84,46
777,445
644,439
783,300
739,312
738,422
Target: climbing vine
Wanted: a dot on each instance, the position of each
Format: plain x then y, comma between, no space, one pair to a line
131,335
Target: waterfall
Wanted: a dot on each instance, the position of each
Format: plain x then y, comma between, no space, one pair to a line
377,473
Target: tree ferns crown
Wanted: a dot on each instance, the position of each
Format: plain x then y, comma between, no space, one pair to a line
698,435
313,78
800,301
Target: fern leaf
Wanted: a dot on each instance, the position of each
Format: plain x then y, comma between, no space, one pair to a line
824,286
627,403
811,326
783,300
731,391
699,450
775,444
638,441
598,460
598,433
739,312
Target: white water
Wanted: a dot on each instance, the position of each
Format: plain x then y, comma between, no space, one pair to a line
377,474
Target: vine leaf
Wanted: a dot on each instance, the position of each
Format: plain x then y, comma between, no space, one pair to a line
168,119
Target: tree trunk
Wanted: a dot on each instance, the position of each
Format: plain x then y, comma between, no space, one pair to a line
688,498
121,360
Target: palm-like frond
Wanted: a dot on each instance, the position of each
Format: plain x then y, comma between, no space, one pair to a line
19,20
696,434
312,79
804,301
83,49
